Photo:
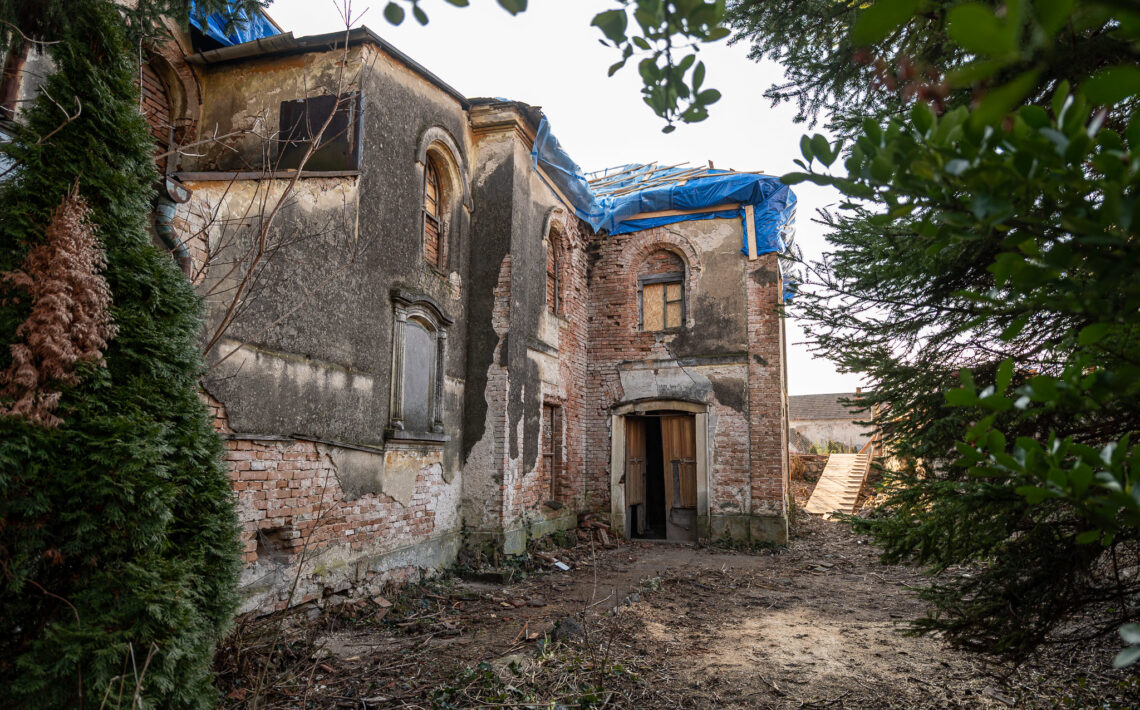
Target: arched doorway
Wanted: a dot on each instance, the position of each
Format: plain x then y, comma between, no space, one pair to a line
659,469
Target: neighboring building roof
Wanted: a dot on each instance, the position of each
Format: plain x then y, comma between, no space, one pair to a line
822,406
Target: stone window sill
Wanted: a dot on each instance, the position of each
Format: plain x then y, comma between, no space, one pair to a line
428,438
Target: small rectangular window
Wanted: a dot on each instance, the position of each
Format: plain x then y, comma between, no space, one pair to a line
662,305
301,120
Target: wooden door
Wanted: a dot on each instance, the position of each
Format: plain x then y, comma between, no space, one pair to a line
679,444
635,470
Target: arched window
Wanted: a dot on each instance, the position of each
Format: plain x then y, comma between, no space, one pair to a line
553,277
434,201
661,291
156,107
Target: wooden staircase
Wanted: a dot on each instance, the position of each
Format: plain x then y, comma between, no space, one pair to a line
840,483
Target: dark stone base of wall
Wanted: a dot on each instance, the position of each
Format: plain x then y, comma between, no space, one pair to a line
512,541
744,529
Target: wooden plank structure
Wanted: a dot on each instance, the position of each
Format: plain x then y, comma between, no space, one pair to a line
635,470
641,177
680,456
840,483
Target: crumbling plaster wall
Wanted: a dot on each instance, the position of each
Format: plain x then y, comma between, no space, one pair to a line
241,101
304,518
306,393
519,354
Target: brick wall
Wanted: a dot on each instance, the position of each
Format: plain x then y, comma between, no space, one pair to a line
747,463
767,394
295,515
565,388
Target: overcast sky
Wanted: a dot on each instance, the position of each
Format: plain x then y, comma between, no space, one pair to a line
549,56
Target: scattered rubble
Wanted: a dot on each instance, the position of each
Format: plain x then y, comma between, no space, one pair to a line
815,624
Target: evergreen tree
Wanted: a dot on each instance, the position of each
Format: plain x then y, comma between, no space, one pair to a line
844,79
118,539
982,274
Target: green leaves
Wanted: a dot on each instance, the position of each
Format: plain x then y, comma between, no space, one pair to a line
982,272
612,23
880,19
393,13
665,39
1093,334
1112,85
977,29
513,6
1000,101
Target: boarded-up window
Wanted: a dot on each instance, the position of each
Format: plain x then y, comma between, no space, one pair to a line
552,446
662,302
433,225
337,148
419,354
552,284
419,360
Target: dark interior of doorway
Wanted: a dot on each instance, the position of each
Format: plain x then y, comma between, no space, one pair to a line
655,528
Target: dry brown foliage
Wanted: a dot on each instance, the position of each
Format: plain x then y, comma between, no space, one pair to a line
70,320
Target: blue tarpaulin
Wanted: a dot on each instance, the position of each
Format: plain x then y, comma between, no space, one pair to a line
242,29
615,207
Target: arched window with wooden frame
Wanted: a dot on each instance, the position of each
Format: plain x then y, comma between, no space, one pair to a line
434,201
553,272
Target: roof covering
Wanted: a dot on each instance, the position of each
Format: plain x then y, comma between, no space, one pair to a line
630,198
822,406
236,30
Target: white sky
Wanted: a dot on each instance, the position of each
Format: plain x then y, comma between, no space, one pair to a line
549,56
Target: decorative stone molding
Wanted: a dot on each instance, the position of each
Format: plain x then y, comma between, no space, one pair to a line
425,312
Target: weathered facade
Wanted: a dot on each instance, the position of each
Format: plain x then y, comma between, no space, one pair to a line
415,346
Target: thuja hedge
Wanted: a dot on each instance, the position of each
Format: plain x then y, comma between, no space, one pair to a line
118,544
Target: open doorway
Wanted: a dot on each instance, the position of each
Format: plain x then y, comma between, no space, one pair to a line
660,476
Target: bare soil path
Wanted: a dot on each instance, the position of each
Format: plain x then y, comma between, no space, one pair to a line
649,625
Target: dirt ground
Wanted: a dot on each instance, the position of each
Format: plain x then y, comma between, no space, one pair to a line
652,625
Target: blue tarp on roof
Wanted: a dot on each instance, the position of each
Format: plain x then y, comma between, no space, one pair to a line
612,207
243,29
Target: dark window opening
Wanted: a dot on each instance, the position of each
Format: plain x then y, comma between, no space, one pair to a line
552,276
433,224
336,148
654,482
552,447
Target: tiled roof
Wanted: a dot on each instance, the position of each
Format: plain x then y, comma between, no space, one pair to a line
822,406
